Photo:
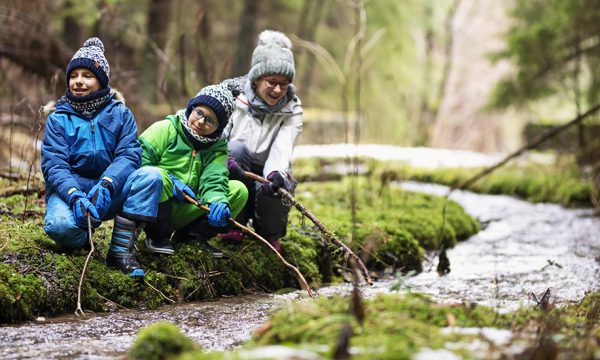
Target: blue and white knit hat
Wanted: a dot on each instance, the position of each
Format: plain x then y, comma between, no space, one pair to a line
272,56
91,56
217,97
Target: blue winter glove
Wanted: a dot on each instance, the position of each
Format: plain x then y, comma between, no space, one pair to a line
100,196
81,207
219,214
180,189
276,181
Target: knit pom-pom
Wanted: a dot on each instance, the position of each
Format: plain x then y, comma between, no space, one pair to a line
94,41
274,37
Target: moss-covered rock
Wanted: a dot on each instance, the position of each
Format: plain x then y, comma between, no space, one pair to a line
398,326
161,340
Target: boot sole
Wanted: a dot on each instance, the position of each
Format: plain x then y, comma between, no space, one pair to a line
158,250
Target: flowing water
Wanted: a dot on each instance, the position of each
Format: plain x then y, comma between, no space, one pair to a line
523,249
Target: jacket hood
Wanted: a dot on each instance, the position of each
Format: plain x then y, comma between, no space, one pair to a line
54,105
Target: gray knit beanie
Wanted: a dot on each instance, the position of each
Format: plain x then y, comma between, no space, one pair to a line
91,56
217,97
272,56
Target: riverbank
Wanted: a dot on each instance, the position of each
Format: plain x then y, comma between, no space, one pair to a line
399,326
536,178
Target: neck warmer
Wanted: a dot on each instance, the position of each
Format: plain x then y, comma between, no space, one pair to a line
198,142
258,108
90,104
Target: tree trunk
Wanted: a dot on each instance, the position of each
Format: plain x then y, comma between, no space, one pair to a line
159,14
313,20
246,37
39,52
73,33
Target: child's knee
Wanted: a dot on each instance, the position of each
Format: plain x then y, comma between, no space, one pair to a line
64,232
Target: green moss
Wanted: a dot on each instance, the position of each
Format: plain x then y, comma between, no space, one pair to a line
161,340
397,326
393,229
20,294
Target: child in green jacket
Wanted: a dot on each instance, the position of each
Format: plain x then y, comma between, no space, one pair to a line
187,151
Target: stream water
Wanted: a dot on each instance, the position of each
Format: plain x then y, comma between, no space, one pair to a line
523,249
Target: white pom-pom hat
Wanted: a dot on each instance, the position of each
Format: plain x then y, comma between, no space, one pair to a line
272,56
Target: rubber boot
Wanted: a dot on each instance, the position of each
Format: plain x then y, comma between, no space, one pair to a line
158,234
121,253
200,231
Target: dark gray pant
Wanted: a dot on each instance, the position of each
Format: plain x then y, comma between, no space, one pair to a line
269,214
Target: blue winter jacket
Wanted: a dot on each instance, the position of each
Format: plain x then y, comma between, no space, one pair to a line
77,152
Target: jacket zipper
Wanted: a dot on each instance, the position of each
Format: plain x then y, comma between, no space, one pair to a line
93,143
191,167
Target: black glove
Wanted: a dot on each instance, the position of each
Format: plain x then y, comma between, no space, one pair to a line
235,170
276,181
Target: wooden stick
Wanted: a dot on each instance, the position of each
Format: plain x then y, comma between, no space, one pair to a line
326,232
79,310
245,229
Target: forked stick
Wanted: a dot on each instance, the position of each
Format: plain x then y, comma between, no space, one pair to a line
326,232
245,229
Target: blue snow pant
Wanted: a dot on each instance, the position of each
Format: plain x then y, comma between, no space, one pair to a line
136,200
269,214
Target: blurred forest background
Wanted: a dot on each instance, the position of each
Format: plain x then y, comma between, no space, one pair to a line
472,74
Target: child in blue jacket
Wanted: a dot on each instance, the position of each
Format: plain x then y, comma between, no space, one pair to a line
90,161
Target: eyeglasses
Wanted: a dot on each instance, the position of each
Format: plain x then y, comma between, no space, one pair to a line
209,121
272,83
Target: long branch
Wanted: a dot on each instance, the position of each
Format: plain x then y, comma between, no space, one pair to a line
79,310
532,144
301,279
326,232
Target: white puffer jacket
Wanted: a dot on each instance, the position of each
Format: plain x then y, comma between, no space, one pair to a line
270,141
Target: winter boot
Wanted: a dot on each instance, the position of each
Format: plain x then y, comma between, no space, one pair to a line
276,244
160,246
233,235
200,231
121,253
158,233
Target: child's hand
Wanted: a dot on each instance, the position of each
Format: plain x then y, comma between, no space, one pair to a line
100,197
219,214
81,206
180,189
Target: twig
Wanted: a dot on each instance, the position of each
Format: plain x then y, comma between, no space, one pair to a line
301,279
326,232
158,291
79,310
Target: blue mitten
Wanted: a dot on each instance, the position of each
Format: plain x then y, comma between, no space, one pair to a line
219,214
81,207
100,196
180,189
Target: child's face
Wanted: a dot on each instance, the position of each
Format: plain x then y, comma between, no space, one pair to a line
83,82
203,120
272,88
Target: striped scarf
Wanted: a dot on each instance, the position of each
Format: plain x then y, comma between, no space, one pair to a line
90,104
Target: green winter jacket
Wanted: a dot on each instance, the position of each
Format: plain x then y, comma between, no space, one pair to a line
164,145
